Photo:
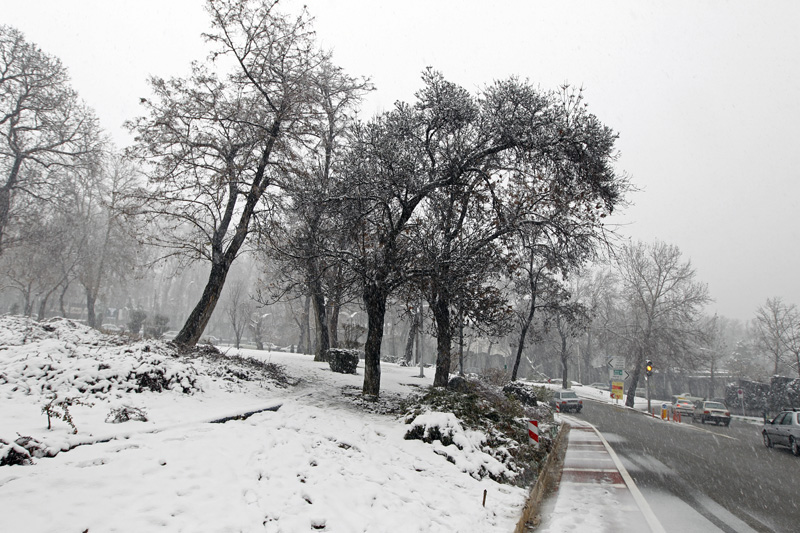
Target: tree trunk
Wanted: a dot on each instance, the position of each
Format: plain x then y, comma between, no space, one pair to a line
375,302
320,310
91,318
302,343
533,281
5,198
564,356
333,325
412,334
61,300
711,382
42,307
441,313
637,372
201,314
460,345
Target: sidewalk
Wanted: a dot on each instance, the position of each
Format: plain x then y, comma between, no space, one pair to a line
594,492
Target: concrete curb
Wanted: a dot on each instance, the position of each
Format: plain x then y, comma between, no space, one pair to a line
545,480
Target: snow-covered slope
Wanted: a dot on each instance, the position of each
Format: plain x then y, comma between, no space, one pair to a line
320,462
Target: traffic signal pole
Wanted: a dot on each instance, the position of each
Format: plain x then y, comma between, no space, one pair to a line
648,371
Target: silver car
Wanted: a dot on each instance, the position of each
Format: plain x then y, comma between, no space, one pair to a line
565,401
784,430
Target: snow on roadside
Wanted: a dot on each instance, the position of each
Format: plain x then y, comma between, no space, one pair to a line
317,463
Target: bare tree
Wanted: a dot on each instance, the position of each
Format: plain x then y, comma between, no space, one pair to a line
109,250
663,302
774,326
218,141
793,337
43,124
238,310
302,236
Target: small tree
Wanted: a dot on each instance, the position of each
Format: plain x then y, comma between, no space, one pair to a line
136,320
238,310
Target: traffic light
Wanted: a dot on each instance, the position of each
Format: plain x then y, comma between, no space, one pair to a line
649,368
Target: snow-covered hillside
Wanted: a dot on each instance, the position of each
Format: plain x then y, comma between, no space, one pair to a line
324,460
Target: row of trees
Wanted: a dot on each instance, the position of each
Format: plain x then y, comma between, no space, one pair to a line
483,209
61,191
436,200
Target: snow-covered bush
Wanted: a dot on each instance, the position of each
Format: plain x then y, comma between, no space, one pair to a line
526,393
22,451
64,357
342,360
125,413
480,430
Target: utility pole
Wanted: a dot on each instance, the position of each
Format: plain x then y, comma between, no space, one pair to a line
648,372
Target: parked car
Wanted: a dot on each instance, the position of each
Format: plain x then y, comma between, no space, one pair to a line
565,401
707,411
601,386
783,430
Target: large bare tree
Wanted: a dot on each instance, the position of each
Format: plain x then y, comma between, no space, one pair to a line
43,123
775,330
663,303
219,139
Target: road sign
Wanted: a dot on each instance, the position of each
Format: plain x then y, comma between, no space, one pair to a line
616,363
740,393
618,374
617,389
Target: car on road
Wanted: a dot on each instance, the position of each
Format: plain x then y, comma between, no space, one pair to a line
707,411
601,386
683,407
566,401
783,430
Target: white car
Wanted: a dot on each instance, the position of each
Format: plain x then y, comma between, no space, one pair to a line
711,412
565,401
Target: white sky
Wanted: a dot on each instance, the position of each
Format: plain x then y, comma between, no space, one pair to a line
704,95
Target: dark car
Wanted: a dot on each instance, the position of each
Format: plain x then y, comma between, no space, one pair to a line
783,430
711,412
565,401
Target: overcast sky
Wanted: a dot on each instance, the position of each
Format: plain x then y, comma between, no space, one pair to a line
705,96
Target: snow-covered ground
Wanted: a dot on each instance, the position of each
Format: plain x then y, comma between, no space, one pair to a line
317,463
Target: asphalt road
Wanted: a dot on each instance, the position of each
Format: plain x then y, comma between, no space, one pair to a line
725,474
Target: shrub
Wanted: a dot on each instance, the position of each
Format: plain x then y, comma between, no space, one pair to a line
59,408
125,413
136,320
477,406
343,361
